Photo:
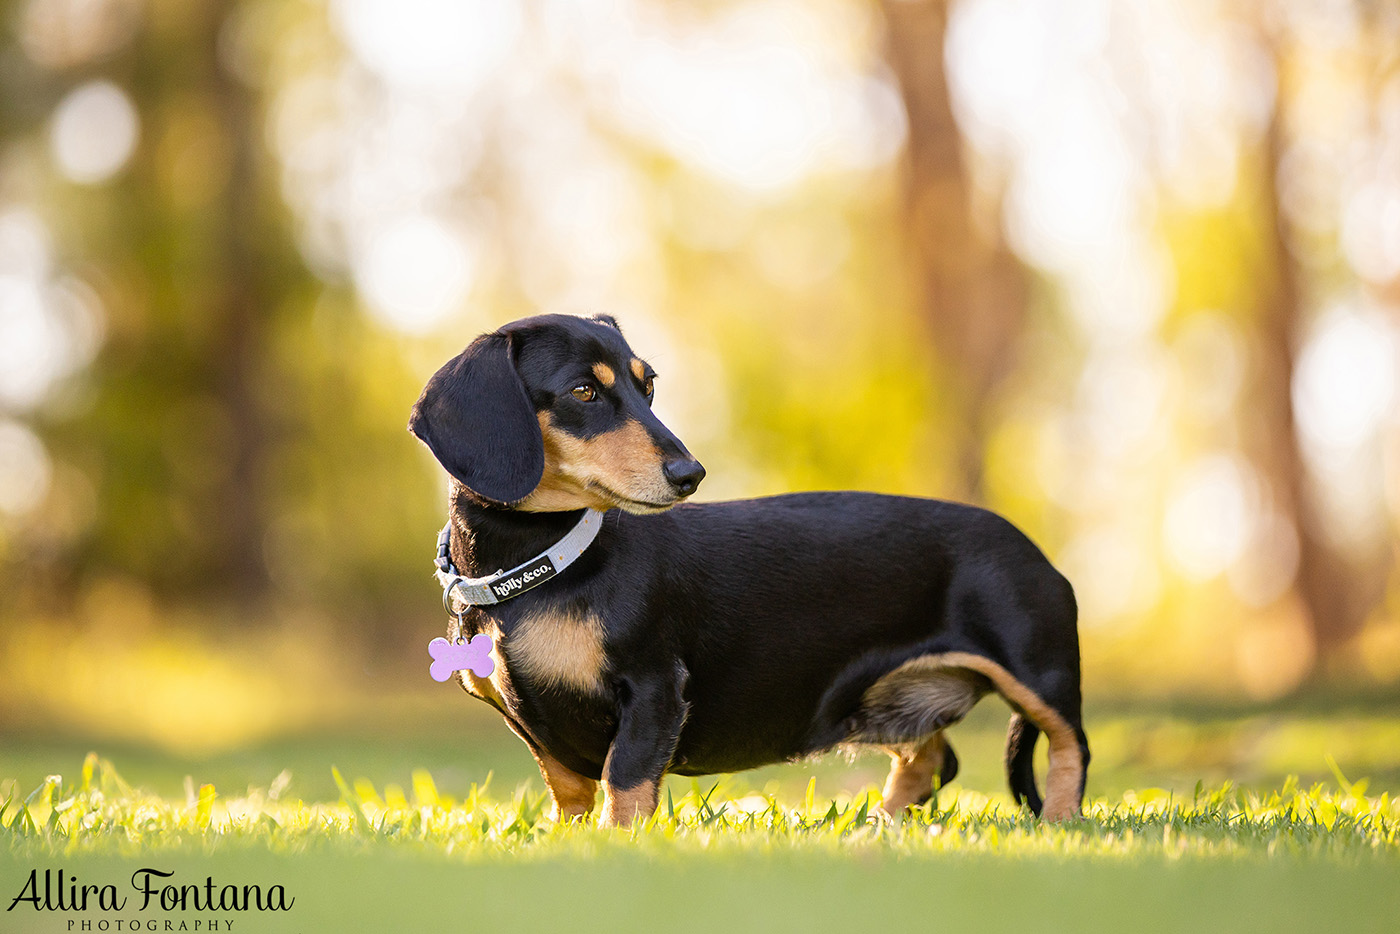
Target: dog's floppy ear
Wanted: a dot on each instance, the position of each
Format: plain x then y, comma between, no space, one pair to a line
477,420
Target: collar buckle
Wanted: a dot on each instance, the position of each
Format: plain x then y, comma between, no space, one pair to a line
447,593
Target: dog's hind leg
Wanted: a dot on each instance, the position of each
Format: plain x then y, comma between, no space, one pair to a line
913,771
935,691
1058,719
1055,712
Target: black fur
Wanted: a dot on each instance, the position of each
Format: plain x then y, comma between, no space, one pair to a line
735,634
1021,735
477,420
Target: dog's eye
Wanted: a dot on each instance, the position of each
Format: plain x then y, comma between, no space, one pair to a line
648,386
584,392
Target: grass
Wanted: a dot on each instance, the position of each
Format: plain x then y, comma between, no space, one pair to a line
460,742
1168,842
102,813
390,858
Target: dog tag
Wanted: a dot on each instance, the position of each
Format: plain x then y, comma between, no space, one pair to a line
451,657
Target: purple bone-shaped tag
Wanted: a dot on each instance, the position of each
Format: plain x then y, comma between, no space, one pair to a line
448,657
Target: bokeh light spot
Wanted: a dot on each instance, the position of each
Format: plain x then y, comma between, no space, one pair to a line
415,272
25,470
442,45
1345,384
24,244
1208,519
63,33
94,132
31,344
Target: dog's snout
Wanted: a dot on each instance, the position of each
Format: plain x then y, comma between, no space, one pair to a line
684,474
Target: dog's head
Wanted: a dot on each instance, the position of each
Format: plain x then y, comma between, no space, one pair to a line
553,413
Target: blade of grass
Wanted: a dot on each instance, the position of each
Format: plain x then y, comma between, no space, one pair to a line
350,798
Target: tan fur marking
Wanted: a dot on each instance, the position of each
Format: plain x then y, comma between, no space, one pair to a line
559,648
580,472
627,460
573,794
621,806
483,687
639,369
911,773
489,688
918,688
605,374
1066,763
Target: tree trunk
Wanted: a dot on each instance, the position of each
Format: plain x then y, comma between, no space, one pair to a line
1335,593
240,301
972,289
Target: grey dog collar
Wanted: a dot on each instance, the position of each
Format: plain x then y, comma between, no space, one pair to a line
503,585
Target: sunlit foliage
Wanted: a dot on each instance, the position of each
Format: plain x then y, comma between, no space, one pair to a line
235,238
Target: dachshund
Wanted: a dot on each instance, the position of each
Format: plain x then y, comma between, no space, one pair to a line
695,638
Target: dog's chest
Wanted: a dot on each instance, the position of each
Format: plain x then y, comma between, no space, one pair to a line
558,650
549,669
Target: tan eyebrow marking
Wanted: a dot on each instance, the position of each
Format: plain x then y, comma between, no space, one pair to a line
639,369
605,374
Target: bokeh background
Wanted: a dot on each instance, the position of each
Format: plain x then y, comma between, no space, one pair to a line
1127,272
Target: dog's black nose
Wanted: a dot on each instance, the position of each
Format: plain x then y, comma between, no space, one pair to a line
684,474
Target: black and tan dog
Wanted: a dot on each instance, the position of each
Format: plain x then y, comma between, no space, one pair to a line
717,637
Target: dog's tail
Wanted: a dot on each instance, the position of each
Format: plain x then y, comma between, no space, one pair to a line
1021,735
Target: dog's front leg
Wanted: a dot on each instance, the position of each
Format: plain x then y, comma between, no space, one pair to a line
571,793
652,711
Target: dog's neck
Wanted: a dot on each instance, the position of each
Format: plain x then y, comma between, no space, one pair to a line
486,539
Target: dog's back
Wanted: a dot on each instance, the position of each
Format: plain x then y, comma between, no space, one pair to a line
787,609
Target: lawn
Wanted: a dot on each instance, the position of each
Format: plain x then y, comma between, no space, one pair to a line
461,841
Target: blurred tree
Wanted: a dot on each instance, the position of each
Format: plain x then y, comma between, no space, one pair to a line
241,431
1337,587
972,288
192,260
248,282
